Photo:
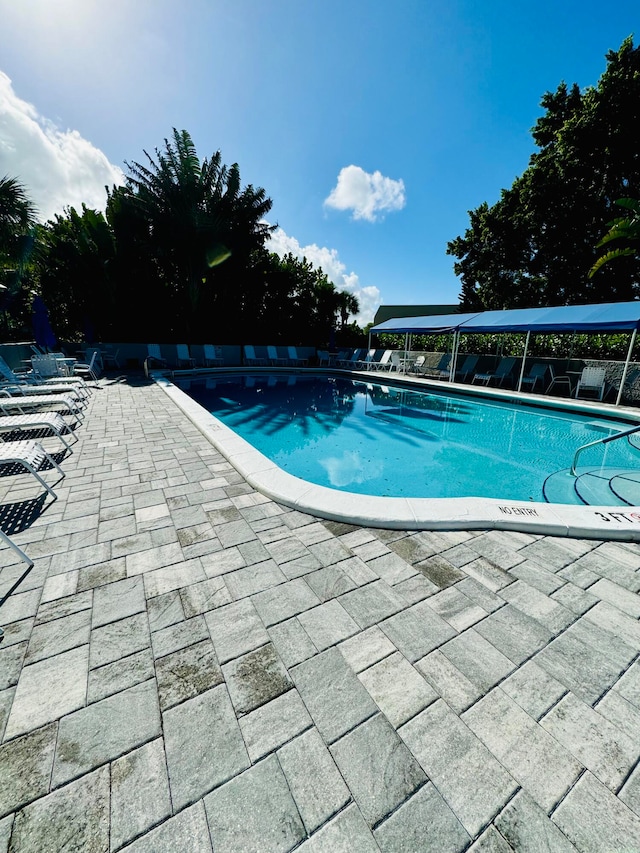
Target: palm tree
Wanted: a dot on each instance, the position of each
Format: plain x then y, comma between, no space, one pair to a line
196,217
17,218
346,304
624,228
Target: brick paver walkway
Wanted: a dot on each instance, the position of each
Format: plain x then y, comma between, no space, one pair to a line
191,667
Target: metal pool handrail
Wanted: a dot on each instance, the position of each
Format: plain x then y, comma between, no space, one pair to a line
600,441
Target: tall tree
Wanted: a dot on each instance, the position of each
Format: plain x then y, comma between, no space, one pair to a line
535,246
199,228
77,277
17,221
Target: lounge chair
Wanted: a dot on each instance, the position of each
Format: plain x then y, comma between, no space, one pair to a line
154,356
591,380
42,420
385,362
35,380
537,373
21,390
365,363
297,360
10,404
274,359
250,357
466,370
211,357
501,372
32,456
351,360
440,371
183,356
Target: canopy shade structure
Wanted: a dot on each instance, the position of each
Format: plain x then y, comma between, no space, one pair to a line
604,317
600,317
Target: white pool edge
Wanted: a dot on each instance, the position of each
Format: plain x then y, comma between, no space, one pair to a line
582,522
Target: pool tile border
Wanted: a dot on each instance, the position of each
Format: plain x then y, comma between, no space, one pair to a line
590,522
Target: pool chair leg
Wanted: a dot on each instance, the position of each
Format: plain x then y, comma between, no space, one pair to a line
41,479
17,583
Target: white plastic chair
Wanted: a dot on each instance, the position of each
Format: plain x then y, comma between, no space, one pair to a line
592,380
89,370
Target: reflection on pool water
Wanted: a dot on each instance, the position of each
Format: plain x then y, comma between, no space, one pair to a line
374,439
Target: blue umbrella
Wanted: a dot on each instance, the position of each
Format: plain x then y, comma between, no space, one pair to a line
42,331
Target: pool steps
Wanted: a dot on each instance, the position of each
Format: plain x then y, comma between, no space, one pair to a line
594,487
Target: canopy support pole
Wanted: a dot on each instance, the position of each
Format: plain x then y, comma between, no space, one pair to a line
454,354
626,366
524,359
404,360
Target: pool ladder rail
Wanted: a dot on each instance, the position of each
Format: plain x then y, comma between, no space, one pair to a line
600,441
595,486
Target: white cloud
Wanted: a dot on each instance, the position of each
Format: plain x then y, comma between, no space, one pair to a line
57,168
368,196
328,260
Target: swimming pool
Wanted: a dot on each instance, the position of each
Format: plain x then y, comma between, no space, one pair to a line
609,520
369,438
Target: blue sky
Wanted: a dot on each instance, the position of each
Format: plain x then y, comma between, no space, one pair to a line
374,127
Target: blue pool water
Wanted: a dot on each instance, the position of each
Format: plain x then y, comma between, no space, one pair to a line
381,440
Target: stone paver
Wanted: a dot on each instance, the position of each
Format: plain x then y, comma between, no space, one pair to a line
190,666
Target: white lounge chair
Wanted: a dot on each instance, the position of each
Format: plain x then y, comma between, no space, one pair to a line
593,381
32,456
21,390
38,420
385,362
9,404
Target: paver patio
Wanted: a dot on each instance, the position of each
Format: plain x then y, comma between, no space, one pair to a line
192,667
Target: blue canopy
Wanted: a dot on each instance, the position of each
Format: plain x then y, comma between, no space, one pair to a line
427,325
604,317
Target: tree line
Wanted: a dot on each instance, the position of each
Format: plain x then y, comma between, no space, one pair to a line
180,254
538,243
